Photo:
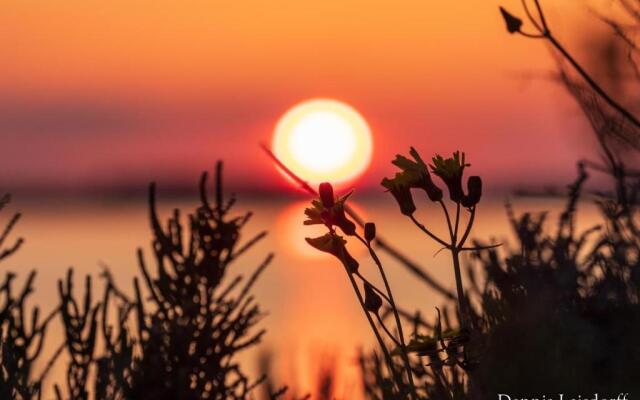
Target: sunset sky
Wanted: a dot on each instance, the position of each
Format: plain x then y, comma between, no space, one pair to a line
111,94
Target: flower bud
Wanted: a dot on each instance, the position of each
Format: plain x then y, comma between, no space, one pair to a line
326,194
369,231
456,194
402,194
433,192
372,301
512,23
450,170
474,188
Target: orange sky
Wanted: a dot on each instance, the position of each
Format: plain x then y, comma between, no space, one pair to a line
96,93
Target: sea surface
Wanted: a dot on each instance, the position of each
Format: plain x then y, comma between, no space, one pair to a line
313,320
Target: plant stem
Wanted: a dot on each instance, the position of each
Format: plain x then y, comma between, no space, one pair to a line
384,244
428,232
391,336
468,230
385,351
546,33
454,237
446,214
405,357
592,82
464,318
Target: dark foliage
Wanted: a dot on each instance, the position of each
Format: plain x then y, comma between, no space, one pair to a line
179,336
196,326
22,332
557,312
561,311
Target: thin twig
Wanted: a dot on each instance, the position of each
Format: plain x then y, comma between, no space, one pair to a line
379,241
428,232
545,33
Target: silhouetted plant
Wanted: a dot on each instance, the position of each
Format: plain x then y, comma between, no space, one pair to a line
381,243
330,212
414,175
189,340
542,29
7,251
80,325
559,313
570,298
178,338
22,333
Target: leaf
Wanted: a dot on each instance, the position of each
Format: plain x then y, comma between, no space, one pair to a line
438,327
372,302
328,243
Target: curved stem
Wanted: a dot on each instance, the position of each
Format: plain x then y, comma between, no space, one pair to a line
592,82
384,245
542,18
455,231
391,336
530,16
446,214
415,269
394,308
492,246
468,229
425,230
531,35
464,318
385,351
51,361
594,85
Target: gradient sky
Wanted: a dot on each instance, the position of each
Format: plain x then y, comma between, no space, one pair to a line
117,93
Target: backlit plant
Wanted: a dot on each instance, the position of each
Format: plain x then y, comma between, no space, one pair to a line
415,174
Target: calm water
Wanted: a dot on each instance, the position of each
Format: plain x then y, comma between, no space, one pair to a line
313,317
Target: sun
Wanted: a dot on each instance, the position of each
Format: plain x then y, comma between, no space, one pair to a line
323,140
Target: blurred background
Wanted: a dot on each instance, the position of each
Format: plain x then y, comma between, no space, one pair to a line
98,99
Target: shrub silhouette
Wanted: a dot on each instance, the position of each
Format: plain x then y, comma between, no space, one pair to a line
189,338
22,331
561,310
178,338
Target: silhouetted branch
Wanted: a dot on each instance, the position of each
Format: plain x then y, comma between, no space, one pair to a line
379,241
545,33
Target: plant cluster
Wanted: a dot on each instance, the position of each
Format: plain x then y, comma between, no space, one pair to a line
444,349
177,338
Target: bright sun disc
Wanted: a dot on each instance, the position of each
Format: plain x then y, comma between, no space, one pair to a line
323,140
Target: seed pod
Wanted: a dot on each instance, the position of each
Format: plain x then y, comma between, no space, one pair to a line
326,194
369,231
372,302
